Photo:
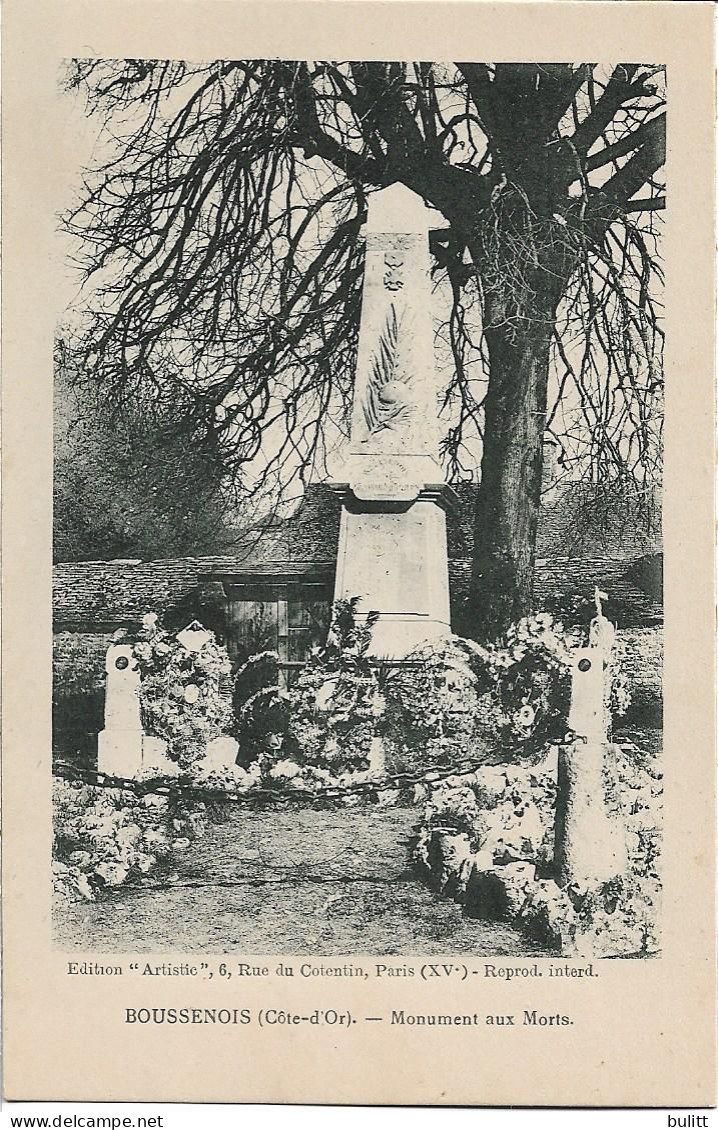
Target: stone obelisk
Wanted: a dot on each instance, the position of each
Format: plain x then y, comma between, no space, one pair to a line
392,542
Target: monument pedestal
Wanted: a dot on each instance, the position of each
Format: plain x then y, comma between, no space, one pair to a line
127,753
119,752
393,556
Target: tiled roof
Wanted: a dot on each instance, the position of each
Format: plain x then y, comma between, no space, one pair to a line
117,591
108,592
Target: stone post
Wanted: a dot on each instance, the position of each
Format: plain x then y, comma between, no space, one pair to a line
590,845
377,757
123,749
119,745
392,541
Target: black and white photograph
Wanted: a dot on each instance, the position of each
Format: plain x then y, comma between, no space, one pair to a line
357,582
358,561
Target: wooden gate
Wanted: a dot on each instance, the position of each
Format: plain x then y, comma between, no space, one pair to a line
286,616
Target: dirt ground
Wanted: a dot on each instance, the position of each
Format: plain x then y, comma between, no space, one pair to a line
292,881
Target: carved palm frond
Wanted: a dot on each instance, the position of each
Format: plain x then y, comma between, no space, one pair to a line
384,364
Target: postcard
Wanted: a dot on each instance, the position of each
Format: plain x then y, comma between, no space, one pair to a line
358,553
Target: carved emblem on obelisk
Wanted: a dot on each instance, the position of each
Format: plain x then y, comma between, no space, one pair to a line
388,403
393,274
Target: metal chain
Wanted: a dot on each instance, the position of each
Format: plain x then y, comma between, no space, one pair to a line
163,787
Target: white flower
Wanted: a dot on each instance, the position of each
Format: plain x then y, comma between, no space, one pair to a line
324,694
83,885
149,621
253,775
316,774
286,768
98,827
378,705
114,874
128,835
331,749
191,693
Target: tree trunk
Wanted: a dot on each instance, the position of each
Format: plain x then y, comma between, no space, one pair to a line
524,252
509,495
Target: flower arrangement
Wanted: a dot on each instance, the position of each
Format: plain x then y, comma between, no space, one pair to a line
261,707
439,707
530,672
452,700
615,917
105,838
336,705
507,814
462,699
507,811
180,693
321,729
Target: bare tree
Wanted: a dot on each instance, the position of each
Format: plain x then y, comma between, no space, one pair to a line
222,232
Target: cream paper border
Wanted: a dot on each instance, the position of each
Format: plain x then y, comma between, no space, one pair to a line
644,1032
